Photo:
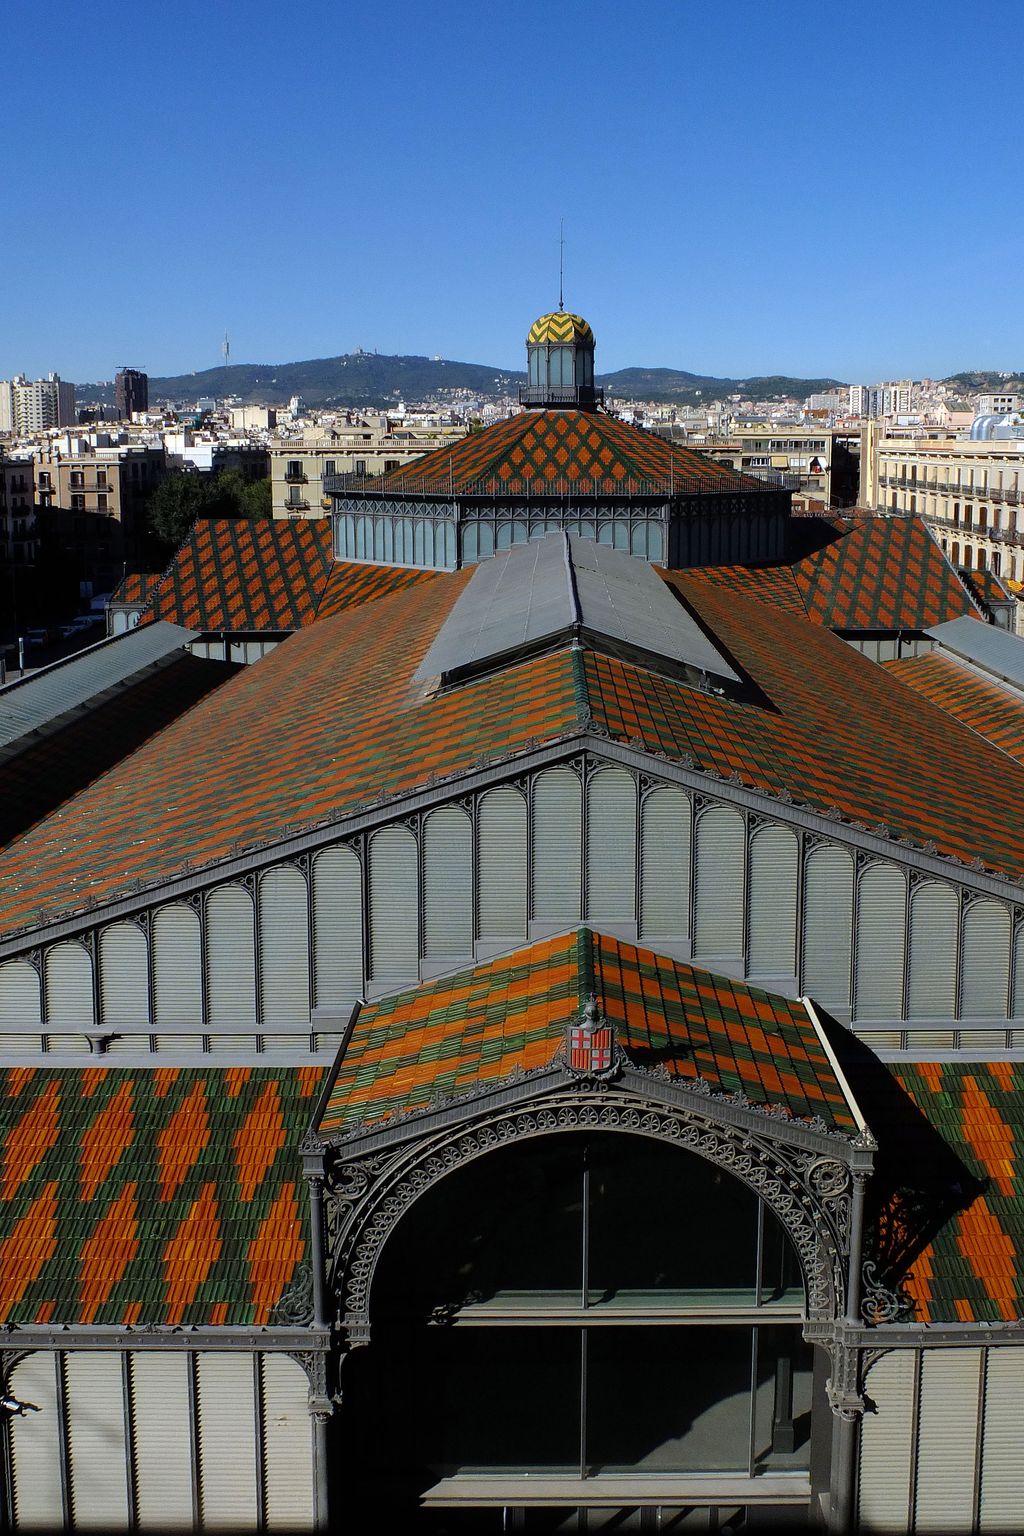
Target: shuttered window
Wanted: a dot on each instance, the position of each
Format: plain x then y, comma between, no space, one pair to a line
447,884
67,973
946,1438
1018,971
124,975
611,847
771,914
665,864
284,947
20,999
828,925
557,846
985,961
35,1444
501,865
931,963
881,942
337,928
394,906
885,1444
97,1455
718,883
230,958
1002,1451
288,1445
162,1439
226,1413
177,966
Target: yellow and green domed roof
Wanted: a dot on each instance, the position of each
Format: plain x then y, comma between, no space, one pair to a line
560,329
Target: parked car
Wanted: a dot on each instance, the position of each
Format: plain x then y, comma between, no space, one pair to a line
37,638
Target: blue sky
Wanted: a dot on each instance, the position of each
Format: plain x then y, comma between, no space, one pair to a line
782,187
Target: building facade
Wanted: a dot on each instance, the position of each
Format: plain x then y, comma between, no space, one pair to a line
131,392
970,493
300,469
28,406
570,1074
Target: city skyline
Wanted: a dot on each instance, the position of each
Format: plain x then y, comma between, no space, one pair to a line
742,195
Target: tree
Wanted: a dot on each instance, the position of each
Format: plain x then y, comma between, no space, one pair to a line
256,499
175,504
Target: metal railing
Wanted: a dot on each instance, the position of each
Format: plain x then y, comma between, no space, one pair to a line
585,488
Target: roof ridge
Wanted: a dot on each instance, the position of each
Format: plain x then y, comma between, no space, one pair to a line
580,689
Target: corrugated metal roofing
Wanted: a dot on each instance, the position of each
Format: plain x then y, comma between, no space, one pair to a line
547,588
38,702
993,650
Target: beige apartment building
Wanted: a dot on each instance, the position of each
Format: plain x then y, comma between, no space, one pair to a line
18,536
94,500
816,461
298,468
971,494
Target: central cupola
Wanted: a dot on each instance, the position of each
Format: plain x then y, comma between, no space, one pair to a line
560,364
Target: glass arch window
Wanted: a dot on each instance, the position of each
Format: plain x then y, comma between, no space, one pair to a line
612,1305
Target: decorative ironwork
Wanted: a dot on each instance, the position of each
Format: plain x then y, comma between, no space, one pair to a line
590,1047
295,1307
365,1199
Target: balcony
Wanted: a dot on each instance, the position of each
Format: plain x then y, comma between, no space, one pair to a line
296,479
301,505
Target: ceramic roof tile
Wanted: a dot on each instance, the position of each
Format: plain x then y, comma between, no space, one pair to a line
450,1037
882,574
538,450
972,1268
995,712
244,573
137,587
134,1210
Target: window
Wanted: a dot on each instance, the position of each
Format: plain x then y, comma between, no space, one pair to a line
360,467
995,563
294,470
101,479
77,477
594,1337
77,503
101,502
44,479
330,466
389,465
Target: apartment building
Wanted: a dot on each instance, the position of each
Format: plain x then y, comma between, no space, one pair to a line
38,405
131,392
817,461
93,500
971,493
18,537
298,468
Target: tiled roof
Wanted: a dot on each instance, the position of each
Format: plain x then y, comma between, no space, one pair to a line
994,712
972,1269
449,1037
242,573
560,329
53,768
983,587
882,574
350,584
332,719
539,450
158,1195
234,574
137,587
886,573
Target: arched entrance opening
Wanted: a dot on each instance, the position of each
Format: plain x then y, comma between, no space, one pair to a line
581,1321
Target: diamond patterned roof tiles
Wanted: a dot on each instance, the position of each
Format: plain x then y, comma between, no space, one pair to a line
883,574
972,1268
331,719
161,1195
995,712
137,587
543,451
452,1036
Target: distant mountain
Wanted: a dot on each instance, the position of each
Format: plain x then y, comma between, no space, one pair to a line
368,378
986,382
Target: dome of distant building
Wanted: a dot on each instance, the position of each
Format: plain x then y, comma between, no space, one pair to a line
560,329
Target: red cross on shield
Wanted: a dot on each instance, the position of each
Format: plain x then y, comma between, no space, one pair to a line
590,1050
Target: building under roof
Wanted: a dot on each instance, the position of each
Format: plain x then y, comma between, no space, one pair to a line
540,1046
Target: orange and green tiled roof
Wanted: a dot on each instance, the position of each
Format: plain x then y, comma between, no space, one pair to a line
539,449
153,1195
454,1036
332,719
995,712
136,588
983,587
883,574
235,574
972,1270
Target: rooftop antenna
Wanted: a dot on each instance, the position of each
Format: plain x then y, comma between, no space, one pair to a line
561,263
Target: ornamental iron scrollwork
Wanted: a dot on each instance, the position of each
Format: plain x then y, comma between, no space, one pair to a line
809,1194
294,1309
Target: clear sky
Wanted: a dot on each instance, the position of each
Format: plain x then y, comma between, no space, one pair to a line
790,186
